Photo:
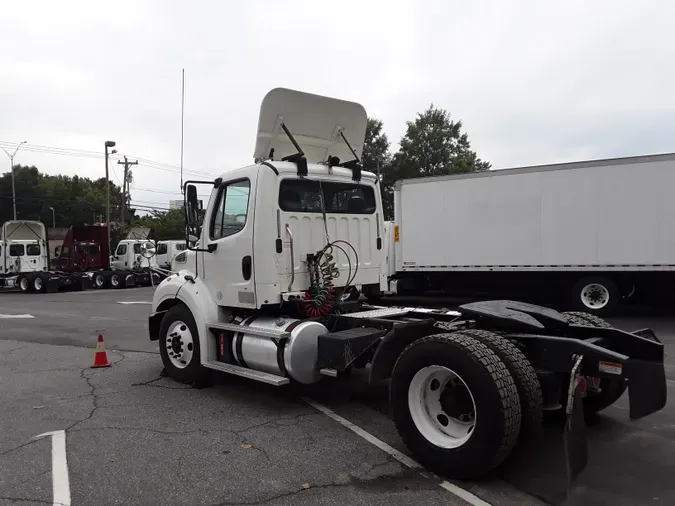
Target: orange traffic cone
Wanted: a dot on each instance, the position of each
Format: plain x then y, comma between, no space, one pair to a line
101,357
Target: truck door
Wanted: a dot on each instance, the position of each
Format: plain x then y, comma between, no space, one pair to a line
31,261
120,261
228,270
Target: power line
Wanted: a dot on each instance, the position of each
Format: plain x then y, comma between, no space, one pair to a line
80,153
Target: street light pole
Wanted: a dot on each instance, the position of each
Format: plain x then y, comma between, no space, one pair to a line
108,144
11,168
53,217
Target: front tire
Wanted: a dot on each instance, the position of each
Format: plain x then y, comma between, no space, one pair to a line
455,405
179,347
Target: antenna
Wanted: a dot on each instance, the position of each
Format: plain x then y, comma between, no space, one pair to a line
182,117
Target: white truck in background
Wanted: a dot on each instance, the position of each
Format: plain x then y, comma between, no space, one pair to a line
588,233
167,251
23,249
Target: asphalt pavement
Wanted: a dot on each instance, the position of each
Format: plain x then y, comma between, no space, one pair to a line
135,437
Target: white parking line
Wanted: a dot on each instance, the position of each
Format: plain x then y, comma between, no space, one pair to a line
402,458
60,480
134,302
16,316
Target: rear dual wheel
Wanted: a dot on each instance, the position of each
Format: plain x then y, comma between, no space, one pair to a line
456,404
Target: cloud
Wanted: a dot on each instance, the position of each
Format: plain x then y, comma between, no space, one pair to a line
533,82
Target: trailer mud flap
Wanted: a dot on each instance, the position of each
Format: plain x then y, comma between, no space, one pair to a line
647,387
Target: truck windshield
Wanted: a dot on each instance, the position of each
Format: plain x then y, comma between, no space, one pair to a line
33,250
88,249
302,195
16,250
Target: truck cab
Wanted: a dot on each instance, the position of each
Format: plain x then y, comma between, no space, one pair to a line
273,227
167,251
23,249
128,256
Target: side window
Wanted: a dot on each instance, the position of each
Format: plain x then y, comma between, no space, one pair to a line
137,248
230,215
16,250
180,247
121,250
161,249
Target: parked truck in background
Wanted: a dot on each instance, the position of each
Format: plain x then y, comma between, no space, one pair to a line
588,233
23,253
167,251
85,253
83,261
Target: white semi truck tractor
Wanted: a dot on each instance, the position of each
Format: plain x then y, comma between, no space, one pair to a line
260,294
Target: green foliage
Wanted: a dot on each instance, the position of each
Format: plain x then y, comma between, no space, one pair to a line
76,200
164,225
432,145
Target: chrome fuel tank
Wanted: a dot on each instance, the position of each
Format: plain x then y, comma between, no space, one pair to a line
294,357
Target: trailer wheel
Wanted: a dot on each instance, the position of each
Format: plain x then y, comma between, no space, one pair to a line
455,405
524,375
179,347
99,280
612,389
596,295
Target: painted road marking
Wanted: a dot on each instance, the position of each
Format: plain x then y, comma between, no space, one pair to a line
402,458
16,316
60,480
134,302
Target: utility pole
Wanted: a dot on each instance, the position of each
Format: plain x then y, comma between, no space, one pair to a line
11,168
125,186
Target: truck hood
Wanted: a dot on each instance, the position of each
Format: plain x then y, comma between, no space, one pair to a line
314,121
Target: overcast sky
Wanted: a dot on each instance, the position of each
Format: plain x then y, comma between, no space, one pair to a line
532,81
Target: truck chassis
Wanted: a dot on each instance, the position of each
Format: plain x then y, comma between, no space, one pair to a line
57,281
465,386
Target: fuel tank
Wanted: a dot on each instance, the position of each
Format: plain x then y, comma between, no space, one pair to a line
294,357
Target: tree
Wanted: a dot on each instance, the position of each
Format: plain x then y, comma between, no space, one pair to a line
76,200
376,156
434,145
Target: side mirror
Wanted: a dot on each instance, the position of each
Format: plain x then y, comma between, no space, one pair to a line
192,204
148,250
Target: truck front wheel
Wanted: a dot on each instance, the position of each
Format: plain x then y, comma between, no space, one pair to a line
455,405
179,347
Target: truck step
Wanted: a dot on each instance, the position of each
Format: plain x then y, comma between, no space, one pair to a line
263,377
380,312
233,327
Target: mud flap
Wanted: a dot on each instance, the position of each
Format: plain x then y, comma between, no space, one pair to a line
548,464
574,435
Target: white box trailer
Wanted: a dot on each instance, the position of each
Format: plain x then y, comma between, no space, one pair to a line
593,232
